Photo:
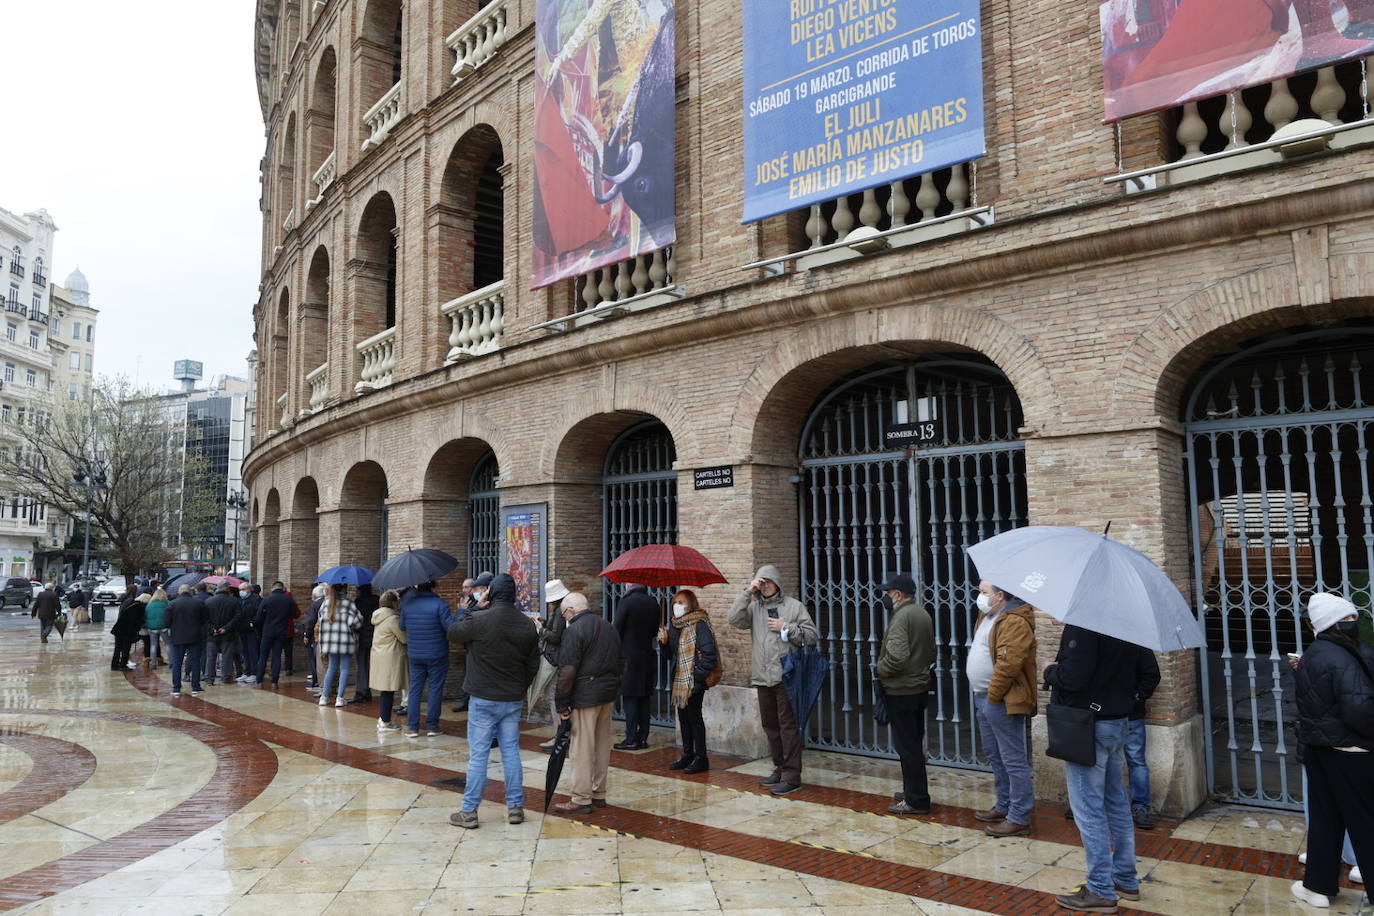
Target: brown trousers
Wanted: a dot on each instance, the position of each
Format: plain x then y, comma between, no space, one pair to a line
780,725
590,752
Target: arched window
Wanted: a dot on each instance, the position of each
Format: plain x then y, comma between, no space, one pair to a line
320,120
488,248
381,49
17,261
39,277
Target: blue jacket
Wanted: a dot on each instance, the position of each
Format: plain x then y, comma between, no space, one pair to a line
425,617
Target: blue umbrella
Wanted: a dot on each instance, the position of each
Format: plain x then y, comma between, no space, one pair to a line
345,575
414,567
803,674
1090,581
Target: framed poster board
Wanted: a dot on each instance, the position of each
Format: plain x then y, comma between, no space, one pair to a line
524,553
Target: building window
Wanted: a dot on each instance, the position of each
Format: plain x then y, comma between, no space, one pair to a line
74,360
31,376
39,277
33,339
90,333
14,296
37,304
76,330
12,332
6,413
17,262
72,389
55,326
9,372
90,362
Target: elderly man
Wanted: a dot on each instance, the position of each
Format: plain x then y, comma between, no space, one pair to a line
904,659
588,679
223,611
503,657
187,624
777,622
274,617
46,607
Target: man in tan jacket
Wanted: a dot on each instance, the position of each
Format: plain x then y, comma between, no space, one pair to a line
1001,671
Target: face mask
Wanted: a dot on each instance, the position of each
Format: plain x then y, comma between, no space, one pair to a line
1350,629
887,602
480,596
679,610
244,594
984,604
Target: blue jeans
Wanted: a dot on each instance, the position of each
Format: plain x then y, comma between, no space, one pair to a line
337,661
486,717
196,651
1102,812
1004,741
1137,770
432,672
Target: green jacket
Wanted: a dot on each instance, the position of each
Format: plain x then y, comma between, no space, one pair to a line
908,651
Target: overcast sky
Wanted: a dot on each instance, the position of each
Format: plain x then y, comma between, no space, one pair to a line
136,125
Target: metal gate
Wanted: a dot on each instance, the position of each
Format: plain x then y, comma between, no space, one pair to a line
639,506
868,510
484,517
1278,440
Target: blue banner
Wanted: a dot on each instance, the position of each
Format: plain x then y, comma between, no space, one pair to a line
845,95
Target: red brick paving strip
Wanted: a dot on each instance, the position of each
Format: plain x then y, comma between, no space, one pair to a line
243,768
59,767
846,867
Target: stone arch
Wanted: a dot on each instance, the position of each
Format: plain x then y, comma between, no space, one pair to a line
302,547
628,403
470,214
774,401
362,504
269,560
281,355
320,116
375,267
315,309
381,50
286,173
444,508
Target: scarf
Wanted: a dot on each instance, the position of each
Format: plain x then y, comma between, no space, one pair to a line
686,655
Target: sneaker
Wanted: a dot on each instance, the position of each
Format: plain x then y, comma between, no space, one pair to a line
432,733
412,734
196,693
515,815
1085,901
785,788
315,690
772,780
1355,876
465,819
324,701
387,726
1143,818
1302,858
901,807
176,693
130,665
340,701
1311,898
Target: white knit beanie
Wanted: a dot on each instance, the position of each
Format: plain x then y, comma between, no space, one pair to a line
1326,609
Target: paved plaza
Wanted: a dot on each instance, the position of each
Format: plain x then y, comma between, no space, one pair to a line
117,798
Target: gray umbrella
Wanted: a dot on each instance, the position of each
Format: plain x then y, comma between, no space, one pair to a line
414,567
1090,581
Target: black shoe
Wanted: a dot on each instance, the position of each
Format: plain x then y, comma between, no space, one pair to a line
461,707
699,765
357,700
598,802
773,780
1143,818
785,788
682,762
626,745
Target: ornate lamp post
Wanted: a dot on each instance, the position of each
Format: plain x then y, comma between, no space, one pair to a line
91,475
237,501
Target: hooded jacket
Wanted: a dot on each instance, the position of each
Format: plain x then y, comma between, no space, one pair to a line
389,668
1335,694
502,645
750,612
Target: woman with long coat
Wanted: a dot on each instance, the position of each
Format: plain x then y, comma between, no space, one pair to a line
390,671
637,620
338,640
693,655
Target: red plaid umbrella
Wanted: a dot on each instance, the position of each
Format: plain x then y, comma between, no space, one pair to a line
659,565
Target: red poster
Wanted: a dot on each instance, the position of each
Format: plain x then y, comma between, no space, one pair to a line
1160,53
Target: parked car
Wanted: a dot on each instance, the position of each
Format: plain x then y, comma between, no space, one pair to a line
110,592
18,591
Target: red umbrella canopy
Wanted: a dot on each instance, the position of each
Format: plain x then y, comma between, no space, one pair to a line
659,565
234,581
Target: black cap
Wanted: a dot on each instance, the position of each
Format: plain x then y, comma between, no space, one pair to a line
899,582
482,581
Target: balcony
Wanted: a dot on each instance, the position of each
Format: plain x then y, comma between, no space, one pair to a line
477,320
318,380
13,307
383,116
474,42
324,177
378,355
40,279
16,268
40,317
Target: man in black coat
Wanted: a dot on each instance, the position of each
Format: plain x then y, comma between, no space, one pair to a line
366,602
588,679
250,602
223,612
187,625
46,607
126,627
636,620
278,610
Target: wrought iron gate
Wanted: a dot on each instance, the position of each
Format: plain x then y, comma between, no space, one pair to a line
639,506
868,510
484,517
1278,440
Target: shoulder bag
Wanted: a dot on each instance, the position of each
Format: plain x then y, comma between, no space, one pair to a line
1072,733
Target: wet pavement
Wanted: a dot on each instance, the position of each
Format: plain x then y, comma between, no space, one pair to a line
116,797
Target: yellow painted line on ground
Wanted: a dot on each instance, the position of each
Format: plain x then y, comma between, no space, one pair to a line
626,834
559,890
848,852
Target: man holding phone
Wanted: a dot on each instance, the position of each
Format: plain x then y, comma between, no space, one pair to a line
777,623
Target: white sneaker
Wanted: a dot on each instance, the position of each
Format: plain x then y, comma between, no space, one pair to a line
1311,898
340,701
324,701
130,665
1302,858
387,726
1355,876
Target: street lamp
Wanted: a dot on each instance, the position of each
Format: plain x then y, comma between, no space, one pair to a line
237,501
90,475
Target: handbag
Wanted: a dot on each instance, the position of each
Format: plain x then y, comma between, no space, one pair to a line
880,714
1072,733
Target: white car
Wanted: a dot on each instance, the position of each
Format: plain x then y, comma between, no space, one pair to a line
110,592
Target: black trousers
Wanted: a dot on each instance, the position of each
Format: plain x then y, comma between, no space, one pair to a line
780,727
693,726
908,717
1339,800
270,650
636,719
123,645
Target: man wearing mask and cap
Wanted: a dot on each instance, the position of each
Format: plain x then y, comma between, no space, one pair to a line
1335,696
777,622
475,596
904,661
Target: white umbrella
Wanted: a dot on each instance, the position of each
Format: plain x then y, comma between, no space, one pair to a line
1091,581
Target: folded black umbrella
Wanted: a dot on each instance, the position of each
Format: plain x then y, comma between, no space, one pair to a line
557,756
414,567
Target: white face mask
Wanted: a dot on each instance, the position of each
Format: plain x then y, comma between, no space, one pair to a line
679,610
480,596
245,593
984,604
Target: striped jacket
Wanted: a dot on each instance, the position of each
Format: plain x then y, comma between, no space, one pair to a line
341,636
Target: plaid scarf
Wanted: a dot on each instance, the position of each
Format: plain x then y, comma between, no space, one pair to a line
686,655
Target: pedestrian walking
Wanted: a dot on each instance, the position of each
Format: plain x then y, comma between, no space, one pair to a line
777,623
903,669
188,622
550,639
1335,728
637,620
46,607
1001,673
250,603
588,680
1137,767
155,622
693,659
366,602
502,658
222,610
1098,672
336,641
276,614
425,618
76,606
388,661
125,629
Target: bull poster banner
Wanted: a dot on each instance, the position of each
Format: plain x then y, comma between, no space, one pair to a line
604,133
845,95
524,545
1160,53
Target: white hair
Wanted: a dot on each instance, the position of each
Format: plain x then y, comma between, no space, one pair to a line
319,591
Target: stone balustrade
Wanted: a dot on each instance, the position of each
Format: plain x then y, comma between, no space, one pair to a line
909,202
318,380
632,277
378,357
477,320
474,42
324,177
383,116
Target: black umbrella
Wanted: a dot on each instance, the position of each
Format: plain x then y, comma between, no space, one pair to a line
191,578
557,756
414,567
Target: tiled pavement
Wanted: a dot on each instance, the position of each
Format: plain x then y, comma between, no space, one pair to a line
117,798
